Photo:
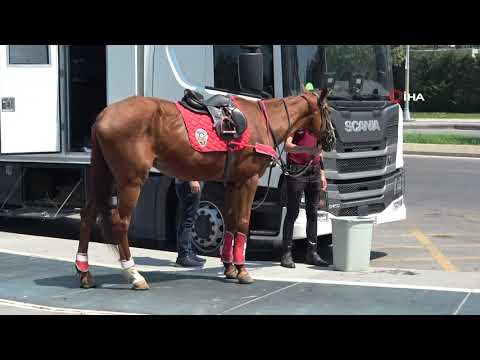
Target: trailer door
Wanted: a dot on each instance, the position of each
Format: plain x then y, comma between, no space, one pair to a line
29,117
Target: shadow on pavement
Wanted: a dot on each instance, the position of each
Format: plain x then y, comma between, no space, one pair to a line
104,281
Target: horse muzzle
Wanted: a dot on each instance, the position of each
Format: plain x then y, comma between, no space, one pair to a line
329,141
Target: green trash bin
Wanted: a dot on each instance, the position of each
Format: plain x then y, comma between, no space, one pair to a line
352,243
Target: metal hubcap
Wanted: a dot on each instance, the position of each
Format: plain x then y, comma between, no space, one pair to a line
208,228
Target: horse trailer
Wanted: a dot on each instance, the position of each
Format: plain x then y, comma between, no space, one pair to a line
51,95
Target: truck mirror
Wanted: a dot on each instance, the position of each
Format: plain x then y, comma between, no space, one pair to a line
356,82
327,81
250,68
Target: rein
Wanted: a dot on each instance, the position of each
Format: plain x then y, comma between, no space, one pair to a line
279,161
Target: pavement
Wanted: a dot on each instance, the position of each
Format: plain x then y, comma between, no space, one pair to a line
458,126
427,264
37,277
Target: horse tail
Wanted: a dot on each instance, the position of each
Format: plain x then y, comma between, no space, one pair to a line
100,189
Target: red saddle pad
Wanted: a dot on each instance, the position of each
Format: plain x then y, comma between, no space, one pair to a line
202,134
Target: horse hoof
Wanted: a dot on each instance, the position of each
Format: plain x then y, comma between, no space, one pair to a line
87,280
245,278
231,272
140,285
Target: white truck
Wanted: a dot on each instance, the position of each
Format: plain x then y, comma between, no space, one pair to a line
51,94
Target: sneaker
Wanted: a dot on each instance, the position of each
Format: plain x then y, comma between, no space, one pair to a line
188,261
198,258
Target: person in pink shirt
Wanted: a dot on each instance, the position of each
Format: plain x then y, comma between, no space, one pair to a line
303,150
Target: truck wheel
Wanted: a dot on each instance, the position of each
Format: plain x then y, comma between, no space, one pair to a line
208,228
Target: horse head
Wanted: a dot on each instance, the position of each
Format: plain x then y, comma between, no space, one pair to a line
321,124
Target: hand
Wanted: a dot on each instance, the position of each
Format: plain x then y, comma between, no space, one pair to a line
195,187
323,180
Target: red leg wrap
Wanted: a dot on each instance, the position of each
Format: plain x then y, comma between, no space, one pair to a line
239,249
226,250
81,263
82,266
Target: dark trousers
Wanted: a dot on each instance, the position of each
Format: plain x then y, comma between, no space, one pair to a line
309,184
188,204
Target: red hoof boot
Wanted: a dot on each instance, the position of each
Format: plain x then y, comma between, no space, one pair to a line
239,249
226,249
231,271
87,280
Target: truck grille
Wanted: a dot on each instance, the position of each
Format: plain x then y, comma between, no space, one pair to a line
361,164
369,185
353,210
392,131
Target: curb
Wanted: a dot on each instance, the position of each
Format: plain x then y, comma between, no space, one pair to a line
431,153
474,126
472,151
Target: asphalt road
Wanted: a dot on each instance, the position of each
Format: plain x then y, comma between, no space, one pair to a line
443,218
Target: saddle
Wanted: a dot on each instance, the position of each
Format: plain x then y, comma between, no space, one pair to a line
228,121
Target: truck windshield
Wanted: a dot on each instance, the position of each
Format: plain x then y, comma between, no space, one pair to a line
359,72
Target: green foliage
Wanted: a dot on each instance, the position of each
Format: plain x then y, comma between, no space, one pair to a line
448,80
398,55
417,138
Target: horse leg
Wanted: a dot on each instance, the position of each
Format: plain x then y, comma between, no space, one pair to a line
246,195
127,199
226,250
87,220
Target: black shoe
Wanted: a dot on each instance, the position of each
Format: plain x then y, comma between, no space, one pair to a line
314,259
198,258
287,261
188,261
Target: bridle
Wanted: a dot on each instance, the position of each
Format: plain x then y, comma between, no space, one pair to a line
278,160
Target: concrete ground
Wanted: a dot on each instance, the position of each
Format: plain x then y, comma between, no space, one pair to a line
427,264
37,277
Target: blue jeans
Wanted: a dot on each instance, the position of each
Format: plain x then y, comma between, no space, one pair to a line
188,204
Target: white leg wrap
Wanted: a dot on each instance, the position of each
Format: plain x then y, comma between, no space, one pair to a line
82,257
132,275
125,264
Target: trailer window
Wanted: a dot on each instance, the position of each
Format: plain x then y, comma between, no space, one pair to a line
226,68
28,55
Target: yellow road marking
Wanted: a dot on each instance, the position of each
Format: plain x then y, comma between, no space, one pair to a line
397,247
472,217
435,251
421,247
446,235
412,259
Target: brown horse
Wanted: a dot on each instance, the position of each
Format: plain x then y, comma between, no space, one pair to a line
132,135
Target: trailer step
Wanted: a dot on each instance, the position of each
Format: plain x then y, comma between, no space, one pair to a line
38,213
264,232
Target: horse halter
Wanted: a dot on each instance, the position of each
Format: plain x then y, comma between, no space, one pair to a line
279,160
330,140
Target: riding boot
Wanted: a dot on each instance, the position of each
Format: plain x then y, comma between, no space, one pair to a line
287,260
312,257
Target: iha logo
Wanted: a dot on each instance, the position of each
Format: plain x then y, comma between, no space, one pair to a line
396,96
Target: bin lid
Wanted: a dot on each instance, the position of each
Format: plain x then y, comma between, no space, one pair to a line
355,219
